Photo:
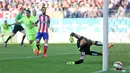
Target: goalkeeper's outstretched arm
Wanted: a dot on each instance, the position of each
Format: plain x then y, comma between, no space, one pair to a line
81,60
75,35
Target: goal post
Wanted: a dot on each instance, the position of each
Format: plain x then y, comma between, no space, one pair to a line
105,36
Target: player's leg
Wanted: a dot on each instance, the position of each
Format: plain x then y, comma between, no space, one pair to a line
9,33
98,43
34,47
110,45
21,29
15,30
45,37
93,53
31,38
38,38
3,36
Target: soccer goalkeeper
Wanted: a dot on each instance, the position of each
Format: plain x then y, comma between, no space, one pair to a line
84,45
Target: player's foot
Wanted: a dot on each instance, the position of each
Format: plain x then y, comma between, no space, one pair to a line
110,45
44,55
5,45
22,44
37,52
34,51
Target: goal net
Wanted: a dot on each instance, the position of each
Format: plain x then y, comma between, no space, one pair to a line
119,34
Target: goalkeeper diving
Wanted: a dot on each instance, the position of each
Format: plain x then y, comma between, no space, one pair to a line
84,45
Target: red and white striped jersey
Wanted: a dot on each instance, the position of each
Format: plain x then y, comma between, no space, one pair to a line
44,22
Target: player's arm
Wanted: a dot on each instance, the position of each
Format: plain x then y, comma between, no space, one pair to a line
81,60
18,21
75,35
11,24
48,22
34,24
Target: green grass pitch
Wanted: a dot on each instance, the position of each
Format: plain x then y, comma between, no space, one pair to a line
17,59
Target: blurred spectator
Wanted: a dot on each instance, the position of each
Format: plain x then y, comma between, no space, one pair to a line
58,7
71,8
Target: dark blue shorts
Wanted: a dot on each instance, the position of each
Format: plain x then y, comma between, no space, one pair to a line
41,34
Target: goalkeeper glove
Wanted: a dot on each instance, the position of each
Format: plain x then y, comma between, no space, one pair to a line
70,63
71,39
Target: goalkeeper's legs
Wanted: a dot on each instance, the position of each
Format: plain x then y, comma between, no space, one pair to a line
98,43
93,53
110,45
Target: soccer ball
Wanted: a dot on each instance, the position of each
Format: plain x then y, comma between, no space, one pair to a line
118,65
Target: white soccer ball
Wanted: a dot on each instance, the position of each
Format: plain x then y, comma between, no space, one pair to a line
118,65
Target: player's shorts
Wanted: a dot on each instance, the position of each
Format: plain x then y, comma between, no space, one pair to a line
40,35
31,36
17,28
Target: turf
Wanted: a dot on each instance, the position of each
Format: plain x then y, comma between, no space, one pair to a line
17,59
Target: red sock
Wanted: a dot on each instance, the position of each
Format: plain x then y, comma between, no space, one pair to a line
45,49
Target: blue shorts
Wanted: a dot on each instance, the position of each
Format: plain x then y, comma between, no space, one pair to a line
41,34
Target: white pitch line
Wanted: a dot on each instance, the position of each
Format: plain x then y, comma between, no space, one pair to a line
28,57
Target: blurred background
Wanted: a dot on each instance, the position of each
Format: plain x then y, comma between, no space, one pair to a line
69,8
